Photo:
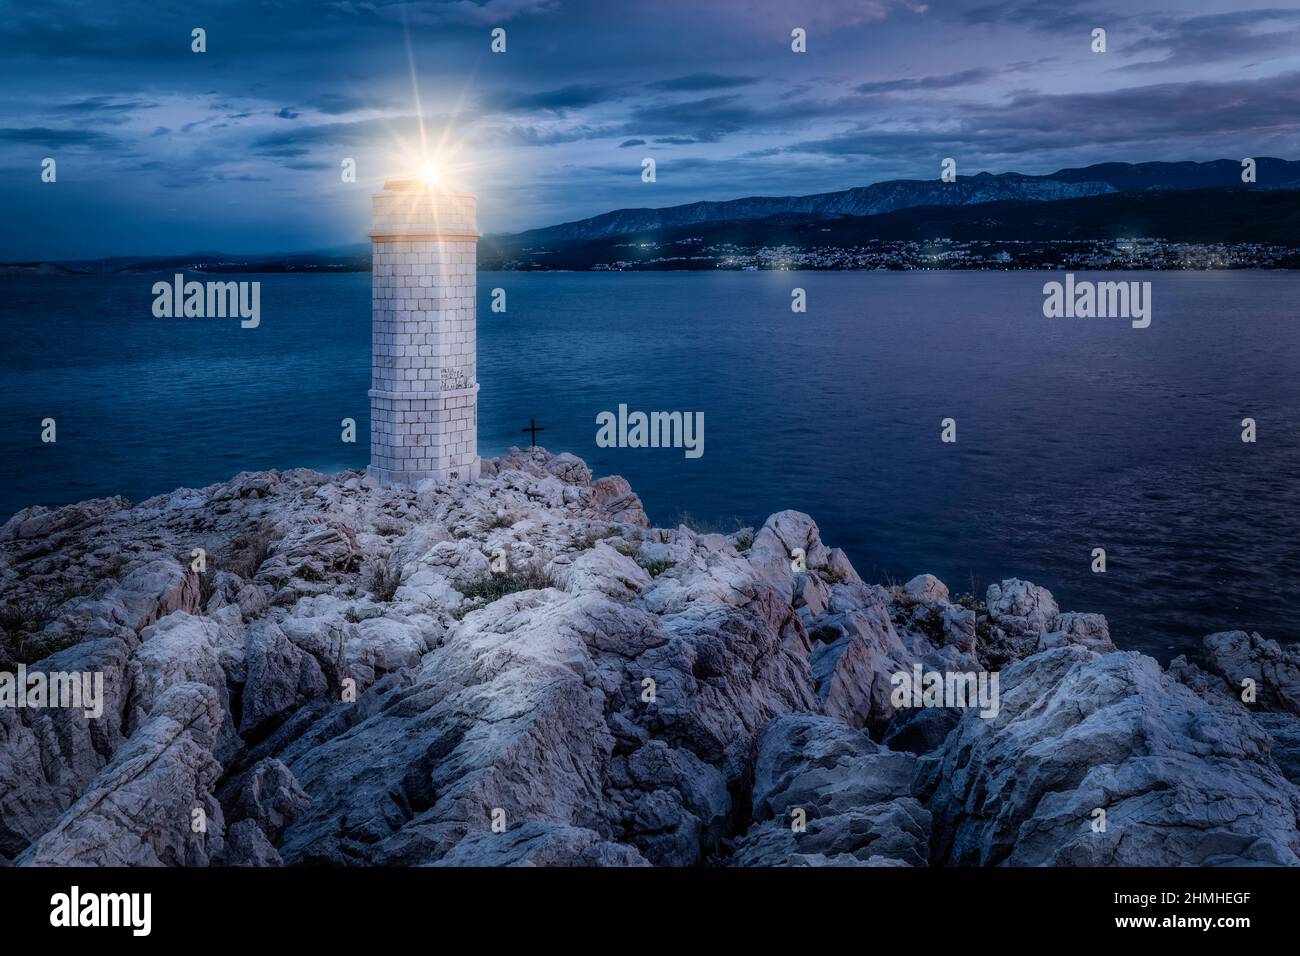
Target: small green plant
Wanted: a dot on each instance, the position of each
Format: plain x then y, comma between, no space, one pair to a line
503,520
931,625
491,587
21,624
459,613
657,566
628,549
27,617
833,575
388,527
585,542
250,550
383,582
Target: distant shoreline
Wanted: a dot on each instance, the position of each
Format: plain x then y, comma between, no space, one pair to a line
48,270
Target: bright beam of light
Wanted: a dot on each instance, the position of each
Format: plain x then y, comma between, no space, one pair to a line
437,165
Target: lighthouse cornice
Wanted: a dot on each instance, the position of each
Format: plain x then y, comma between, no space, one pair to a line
420,186
424,236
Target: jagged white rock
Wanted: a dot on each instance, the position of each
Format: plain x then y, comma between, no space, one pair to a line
354,680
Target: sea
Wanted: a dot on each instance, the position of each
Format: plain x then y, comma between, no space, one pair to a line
1070,434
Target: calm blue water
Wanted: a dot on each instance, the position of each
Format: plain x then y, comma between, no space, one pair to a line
1072,434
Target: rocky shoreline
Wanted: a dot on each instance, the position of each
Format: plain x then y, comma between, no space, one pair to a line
522,671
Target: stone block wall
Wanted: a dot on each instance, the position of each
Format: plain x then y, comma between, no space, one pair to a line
424,388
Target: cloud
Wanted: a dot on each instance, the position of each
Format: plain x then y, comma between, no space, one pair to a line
514,136
1193,41
286,113
103,104
44,136
943,82
696,82
1031,123
705,120
336,104
565,98
631,142
455,12
1048,15
296,142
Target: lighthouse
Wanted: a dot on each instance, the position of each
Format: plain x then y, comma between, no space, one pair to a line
424,381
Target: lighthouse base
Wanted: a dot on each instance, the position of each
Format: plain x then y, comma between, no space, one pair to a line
439,476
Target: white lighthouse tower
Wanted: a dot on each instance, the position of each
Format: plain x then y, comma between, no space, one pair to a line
424,381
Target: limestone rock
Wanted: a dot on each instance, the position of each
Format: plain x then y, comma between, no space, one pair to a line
855,655
617,499
602,570
139,810
540,844
48,757
182,648
1285,731
1236,655
926,588
267,795
282,676
1086,630
349,683
247,845
1021,613
855,796
1183,781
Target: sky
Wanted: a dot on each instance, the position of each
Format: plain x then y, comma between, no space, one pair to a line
161,150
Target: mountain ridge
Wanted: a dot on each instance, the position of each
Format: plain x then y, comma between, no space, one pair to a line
1069,200
892,195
